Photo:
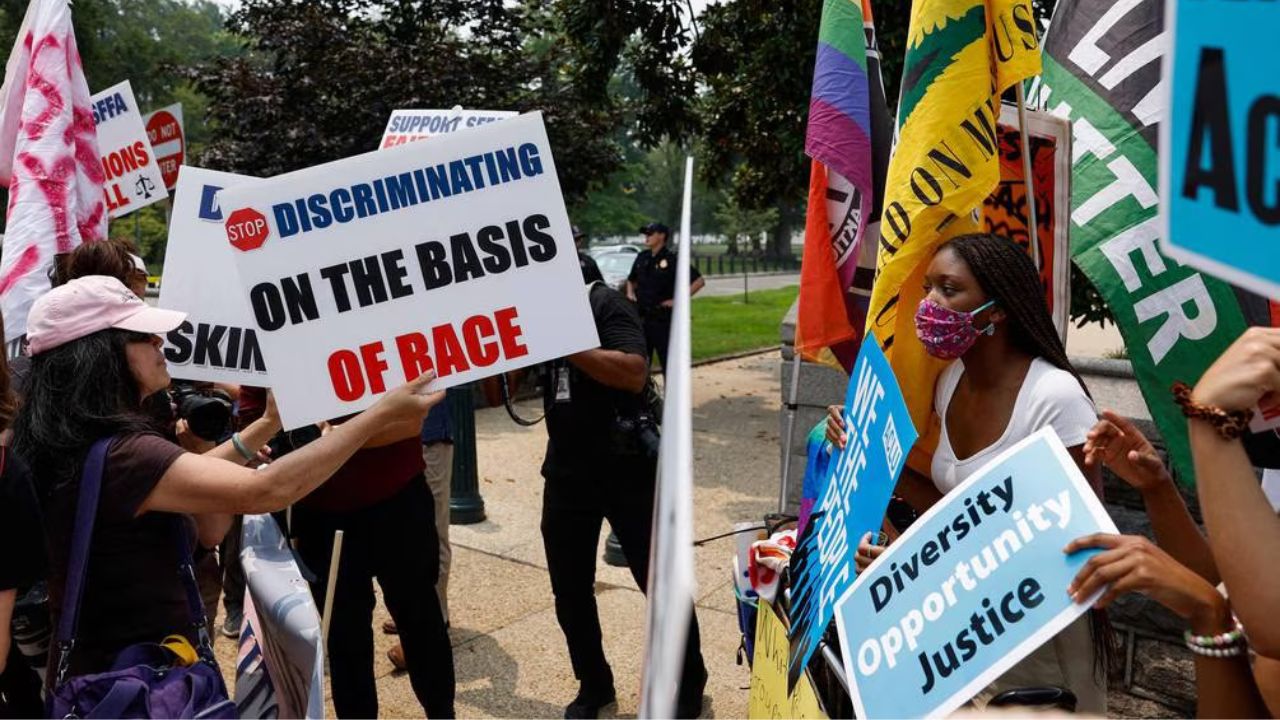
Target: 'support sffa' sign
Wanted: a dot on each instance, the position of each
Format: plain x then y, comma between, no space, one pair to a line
974,586
414,125
452,256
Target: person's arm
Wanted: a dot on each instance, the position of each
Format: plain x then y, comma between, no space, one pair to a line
394,433
197,484
631,290
1119,444
1225,686
1244,532
1266,673
8,598
613,368
917,490
1091,473
696,285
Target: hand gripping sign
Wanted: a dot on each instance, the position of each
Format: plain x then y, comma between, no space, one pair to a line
453,256
218,342
133,180
974,586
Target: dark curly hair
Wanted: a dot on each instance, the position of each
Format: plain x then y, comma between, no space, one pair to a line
76,394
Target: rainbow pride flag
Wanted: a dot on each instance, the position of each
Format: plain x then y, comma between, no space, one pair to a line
839,132
848,138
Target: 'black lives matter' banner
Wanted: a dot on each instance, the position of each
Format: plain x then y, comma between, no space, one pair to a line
1102,71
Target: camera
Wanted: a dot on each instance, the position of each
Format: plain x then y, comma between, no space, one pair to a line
639,435
286,441
207,410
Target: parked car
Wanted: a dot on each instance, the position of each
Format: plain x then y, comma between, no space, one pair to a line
615,266
598,250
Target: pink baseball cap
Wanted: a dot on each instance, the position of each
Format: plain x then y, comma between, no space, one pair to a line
88,304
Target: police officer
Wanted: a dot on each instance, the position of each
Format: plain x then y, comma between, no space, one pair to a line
652,287
601,462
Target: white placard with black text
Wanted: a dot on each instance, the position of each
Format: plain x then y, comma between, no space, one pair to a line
454,256
132,178
218,343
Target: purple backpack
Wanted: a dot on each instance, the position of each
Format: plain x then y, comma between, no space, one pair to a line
144,682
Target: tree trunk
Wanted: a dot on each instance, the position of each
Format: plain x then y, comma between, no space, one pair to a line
789,215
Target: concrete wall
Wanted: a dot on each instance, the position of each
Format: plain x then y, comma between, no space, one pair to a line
1155,676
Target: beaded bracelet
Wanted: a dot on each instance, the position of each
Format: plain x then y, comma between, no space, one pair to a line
1230,424
1227,644
1222,652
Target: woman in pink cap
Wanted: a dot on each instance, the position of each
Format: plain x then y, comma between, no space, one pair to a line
95,350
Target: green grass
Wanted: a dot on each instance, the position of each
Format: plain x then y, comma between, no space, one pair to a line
724,325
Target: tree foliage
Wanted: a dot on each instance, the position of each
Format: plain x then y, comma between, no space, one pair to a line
322,77
755,59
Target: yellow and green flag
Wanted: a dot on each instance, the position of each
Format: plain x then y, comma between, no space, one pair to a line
961,55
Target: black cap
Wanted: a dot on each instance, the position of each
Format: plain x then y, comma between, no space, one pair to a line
655,227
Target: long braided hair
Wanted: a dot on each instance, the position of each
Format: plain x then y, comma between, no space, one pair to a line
1007,275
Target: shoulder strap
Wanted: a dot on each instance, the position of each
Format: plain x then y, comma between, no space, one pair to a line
195,604
78,561
78,558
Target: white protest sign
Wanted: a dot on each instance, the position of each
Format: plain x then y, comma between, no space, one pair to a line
218,342
672,584
414,125
132,177
973,586
453,256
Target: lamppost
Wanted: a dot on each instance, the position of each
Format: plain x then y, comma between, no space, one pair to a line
466,507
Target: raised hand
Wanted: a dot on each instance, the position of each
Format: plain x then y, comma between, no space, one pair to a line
1117,443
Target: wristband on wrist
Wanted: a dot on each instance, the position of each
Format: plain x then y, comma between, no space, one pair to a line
1230,424
1228,644
240,448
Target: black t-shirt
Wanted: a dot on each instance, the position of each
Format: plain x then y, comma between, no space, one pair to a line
580,431
590,270
22,549
654,275
133,592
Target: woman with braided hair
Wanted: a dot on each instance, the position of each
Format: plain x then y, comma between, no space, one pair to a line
985,310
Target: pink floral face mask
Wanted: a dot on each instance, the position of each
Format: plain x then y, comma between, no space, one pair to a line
947,333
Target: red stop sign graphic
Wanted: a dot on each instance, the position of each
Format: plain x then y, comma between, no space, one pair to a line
247,229
167,142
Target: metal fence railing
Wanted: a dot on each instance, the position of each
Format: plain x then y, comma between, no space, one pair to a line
740,264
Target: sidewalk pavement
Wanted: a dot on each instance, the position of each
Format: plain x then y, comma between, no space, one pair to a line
719,285
510,656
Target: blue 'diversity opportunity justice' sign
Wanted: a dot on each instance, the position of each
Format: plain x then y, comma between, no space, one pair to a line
1220,143
851,502
975,585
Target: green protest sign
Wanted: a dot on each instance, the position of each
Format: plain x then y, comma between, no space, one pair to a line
1102,71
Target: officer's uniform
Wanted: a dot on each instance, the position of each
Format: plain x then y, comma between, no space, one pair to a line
593,472
654,277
